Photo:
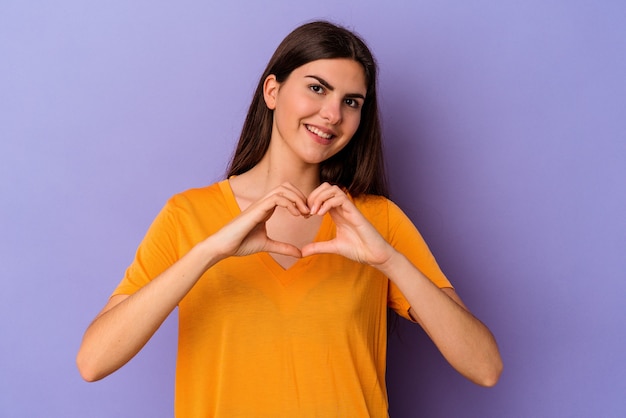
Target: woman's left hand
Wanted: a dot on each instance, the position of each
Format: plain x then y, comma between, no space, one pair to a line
356,237
464,341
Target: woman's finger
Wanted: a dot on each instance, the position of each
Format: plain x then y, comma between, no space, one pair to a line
323,247
285,202
246,233
297,201
325,197
282,197
283,248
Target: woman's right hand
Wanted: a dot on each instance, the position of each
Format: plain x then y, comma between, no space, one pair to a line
247,233
126,323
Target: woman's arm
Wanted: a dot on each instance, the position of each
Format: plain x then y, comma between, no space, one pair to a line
464,341
126,323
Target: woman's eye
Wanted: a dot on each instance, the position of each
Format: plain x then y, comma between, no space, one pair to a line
352,103
316,88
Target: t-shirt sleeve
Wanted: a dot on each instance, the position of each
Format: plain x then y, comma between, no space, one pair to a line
156,252
405,237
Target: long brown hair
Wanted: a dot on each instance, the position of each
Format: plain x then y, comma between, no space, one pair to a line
359,166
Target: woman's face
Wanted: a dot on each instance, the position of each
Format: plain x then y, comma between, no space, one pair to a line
317,109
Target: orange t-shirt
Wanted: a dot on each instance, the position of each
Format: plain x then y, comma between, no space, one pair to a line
256,340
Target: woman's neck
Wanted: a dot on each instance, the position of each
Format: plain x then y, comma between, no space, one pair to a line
267,175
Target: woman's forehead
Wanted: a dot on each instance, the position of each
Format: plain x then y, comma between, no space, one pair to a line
341,73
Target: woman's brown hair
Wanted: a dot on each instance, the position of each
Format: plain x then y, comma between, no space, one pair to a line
359,166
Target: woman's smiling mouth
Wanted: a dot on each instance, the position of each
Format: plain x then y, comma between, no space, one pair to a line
318,132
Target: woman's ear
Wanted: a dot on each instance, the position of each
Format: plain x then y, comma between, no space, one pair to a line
270,90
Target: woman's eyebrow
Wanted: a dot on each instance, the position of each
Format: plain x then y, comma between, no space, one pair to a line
331,88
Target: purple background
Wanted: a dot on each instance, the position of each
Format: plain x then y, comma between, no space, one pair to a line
506,142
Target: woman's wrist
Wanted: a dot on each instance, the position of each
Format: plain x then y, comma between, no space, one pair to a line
389,263
210,252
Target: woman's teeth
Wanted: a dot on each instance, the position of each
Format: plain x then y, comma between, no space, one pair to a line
318,132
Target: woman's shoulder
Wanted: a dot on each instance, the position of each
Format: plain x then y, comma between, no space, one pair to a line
380,210
375,208
198,196
371,202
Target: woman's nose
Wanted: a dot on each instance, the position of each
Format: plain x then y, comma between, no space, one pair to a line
331,111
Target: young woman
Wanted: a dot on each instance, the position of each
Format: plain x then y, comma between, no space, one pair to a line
283,272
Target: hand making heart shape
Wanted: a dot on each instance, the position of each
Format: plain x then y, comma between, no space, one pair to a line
355,237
